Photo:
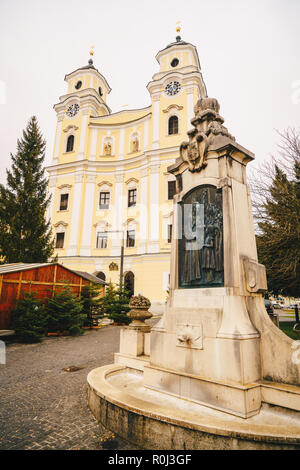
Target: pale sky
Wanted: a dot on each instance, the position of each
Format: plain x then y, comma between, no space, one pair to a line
248,50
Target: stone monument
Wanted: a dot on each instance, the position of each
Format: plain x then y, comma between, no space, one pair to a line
216,362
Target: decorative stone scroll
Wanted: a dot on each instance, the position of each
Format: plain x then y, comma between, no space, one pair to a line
208,124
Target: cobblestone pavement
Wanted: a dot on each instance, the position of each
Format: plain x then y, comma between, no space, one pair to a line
44,407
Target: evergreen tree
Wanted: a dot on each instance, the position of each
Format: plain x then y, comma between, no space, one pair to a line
25,235
64,312
278,241
28,319
115,304
91,303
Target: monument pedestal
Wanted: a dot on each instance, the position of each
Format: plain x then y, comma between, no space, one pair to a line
216,361
207,354
207,348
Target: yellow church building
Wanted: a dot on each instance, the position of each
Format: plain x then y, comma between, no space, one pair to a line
108,178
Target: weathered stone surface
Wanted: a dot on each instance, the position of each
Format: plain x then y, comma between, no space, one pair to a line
161,421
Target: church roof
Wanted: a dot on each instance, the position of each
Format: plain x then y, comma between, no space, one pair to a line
178,42
85,67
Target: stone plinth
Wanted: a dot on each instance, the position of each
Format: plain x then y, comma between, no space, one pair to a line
135,338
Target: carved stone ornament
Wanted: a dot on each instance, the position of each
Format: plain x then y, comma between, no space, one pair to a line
208,124
139,313
113,267
189,336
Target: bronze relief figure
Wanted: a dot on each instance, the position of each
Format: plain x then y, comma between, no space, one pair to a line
200,250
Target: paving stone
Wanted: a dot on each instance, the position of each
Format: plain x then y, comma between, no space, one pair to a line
43,407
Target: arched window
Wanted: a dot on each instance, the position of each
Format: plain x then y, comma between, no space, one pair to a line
101,276
129,282
70,143
173,125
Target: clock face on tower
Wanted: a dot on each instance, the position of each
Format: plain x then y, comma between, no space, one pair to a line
172,88
72,110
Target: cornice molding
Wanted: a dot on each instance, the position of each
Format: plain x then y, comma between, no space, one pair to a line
175,106
61,222
70,127
87,96
131,180
68,186
155,85
104,183
82,71
142,159
119,126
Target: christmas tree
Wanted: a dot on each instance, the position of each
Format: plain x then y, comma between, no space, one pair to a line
64,312
115,304
25,235
91,302
28,319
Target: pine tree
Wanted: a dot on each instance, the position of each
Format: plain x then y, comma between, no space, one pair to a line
115,304
25,235
28,319
279,240
64,312
91,303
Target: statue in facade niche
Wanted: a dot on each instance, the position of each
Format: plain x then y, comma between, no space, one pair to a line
107,149
208,124
135,145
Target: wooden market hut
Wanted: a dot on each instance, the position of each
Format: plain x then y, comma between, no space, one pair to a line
42,278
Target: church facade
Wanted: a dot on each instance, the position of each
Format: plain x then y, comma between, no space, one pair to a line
108,178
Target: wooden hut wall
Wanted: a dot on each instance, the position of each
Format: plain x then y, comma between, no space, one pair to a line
44,281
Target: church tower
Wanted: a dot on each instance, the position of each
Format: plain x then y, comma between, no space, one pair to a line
109,180
177,86
87,93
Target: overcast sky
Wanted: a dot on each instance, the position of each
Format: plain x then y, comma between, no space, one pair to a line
248,50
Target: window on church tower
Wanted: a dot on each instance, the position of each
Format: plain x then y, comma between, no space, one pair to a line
60,238
171,189
70,143
173,125
131,197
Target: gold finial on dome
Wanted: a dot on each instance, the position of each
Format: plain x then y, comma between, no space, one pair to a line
178,29
91,55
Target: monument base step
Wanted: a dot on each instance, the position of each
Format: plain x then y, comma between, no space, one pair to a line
279,394
233,398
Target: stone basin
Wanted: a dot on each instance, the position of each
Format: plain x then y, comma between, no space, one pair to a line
157,420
